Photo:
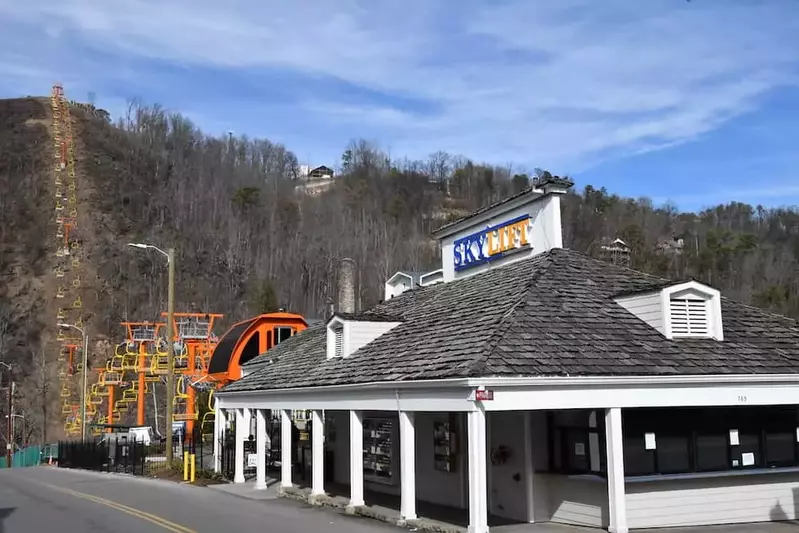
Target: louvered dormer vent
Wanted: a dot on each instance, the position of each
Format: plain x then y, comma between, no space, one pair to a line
689,317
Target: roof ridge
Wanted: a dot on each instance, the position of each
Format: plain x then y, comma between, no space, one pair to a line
476,366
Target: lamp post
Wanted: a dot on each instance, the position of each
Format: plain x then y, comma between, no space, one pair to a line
10,426
85,360
170,345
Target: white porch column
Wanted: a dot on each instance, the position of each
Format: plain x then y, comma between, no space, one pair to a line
478,474
617,504
238,472
247,424
356,459
317,453
260,445
219,431
285,448
407,465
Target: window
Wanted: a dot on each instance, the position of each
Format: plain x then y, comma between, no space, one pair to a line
709,440
674,453
575,446
711,451
689,317
282,333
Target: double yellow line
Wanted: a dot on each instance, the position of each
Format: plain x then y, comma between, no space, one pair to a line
166,524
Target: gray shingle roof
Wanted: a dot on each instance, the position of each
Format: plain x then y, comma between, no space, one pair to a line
550,315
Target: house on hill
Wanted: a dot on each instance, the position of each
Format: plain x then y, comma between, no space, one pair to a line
315,180
536,384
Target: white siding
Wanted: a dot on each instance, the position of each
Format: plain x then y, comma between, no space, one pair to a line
582,502
647,307
359,334
726,500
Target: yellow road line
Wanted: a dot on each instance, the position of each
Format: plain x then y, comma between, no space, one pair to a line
164,523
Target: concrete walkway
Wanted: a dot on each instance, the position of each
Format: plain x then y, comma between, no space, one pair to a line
247,490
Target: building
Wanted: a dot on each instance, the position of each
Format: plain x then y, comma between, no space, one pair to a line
314,180
536,384
616,252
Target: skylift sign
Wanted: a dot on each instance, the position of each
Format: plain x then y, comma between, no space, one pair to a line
493,243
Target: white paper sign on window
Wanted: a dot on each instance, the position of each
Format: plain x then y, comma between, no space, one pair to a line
251,460
748,459
649,441
579,448
734,440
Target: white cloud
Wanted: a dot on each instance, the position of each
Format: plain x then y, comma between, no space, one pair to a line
557,84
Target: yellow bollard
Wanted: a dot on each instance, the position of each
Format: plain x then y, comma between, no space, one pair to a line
193,466
185,466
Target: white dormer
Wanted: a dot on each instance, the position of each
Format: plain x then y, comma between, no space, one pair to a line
348,333
682,310
431,278
400,282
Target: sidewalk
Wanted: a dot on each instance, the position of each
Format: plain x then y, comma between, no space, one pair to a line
247,489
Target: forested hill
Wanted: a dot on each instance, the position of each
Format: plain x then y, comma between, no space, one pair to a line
242,230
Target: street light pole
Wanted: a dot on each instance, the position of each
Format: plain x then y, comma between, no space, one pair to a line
10,426
170,332
85,360
170,377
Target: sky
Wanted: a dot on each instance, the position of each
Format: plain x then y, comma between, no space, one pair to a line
689,101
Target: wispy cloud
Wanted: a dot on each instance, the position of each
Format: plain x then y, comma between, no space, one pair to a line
563,84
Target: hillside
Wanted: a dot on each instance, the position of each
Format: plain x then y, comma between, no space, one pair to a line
247,241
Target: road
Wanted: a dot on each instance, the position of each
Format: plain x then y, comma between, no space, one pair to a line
52,500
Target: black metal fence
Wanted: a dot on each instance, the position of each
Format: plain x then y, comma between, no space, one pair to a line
120,453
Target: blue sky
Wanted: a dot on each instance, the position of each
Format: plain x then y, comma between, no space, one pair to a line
691,101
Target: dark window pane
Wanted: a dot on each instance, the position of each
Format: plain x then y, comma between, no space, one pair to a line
779,448
674,453
747,453
637,459
711,452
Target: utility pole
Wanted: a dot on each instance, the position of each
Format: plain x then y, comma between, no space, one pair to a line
83,388
170,377
170,345
10,428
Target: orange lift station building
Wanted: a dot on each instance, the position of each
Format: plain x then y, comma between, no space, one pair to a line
249,338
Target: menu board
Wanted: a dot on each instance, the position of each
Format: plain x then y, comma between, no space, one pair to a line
444,451
378,449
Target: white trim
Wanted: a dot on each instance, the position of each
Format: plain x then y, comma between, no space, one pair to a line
534,381
397,274
533,195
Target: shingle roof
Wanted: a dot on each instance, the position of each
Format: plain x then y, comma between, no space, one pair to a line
550,315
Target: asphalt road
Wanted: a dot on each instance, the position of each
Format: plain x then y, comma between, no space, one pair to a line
52,500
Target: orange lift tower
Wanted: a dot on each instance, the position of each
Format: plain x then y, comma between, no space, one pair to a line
143,338
194,345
